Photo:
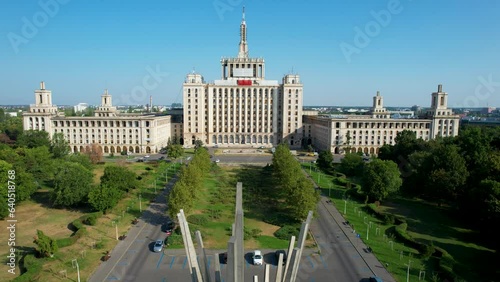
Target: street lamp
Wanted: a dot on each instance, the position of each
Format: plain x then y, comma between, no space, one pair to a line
367,230
345,206
408,271
140,203
78,270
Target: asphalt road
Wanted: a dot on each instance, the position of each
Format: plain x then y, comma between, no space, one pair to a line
338,261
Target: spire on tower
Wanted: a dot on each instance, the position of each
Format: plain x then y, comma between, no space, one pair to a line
243,50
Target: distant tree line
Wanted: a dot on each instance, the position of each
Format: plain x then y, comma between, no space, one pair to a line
462,172
40,161
295,194
186,190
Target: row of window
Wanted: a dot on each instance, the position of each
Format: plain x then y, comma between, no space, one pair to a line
414,125
93,123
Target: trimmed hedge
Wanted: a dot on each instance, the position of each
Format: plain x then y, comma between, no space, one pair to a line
33,268
80,229
286,232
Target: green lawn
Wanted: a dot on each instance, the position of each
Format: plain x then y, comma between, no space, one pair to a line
426,222
218,194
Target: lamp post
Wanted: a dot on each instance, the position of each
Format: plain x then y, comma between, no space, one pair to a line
78,270
408,271
367,230
345,206
140,203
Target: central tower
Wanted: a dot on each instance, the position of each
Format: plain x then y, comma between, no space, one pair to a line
243,53
242,108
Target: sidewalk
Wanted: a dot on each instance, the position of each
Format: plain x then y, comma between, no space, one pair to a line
106,267
369,258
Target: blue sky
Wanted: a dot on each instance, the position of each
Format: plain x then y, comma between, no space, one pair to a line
79,48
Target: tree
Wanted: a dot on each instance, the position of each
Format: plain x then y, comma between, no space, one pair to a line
175,151
59,147
348,142
12,127
302,199
34,139
381,179
198,144
72,184
179,198
82,159
447,173
94,152
325,160
104,197
47,246
119,177
292,185
37,161
351,164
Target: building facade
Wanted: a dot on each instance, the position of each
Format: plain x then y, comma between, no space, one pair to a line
243,108
109,130
367,133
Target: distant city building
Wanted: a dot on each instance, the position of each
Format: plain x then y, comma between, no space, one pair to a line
243,108
367,133
112,131
80,107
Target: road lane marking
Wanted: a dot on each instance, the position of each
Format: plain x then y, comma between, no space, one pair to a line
184,264
159,261
310,261
208,263
172,262
323,261
138,233
112,278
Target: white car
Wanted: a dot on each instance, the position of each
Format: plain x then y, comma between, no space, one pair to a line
257,257
158,247
217,160
146,156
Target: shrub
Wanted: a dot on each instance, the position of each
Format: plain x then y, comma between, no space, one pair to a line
198,219
99,245
251,233
91,220
148,168
286,232
214,213
33,268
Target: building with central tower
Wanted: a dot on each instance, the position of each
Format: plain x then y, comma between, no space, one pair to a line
243,108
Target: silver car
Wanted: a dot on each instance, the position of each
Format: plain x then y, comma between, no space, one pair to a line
158,246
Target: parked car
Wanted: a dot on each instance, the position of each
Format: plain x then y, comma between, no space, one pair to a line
146,156
257,257
169,227
375,279
161,158
217,160
141,160
277,253
158,247
224,257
